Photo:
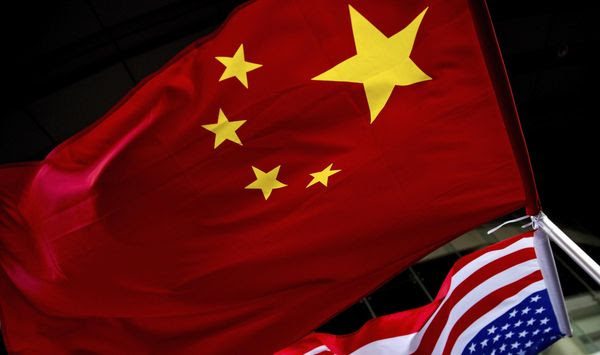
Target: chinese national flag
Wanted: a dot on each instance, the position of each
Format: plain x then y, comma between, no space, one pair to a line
263,180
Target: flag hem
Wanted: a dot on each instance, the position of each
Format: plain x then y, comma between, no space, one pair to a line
505,98
541,243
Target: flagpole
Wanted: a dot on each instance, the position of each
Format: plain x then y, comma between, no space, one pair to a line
573,250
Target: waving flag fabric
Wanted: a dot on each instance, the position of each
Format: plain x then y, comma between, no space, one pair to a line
298,154
504,299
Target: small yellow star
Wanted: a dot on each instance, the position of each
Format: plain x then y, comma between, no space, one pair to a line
224,129
322,176
267,182
380,63
237,66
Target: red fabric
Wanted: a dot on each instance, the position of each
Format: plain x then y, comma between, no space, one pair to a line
137,235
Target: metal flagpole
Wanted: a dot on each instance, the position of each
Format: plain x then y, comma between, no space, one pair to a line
568,246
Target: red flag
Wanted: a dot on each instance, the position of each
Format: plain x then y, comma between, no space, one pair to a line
503,298
263,180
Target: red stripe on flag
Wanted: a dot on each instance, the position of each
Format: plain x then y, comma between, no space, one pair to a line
493,268
460,263
487,304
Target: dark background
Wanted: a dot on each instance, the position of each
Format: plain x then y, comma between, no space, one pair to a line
68,62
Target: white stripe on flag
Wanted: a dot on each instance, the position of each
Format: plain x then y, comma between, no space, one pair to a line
483,289
318,350
389,346
463,339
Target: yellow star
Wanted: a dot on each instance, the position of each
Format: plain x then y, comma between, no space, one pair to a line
380,62
237,66
267,182
224,129
322,176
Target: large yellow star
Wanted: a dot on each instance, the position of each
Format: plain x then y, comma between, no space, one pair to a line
225,129
322,176
267,182
237,66
380,62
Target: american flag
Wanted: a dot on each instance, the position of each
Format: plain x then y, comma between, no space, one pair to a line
502,300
